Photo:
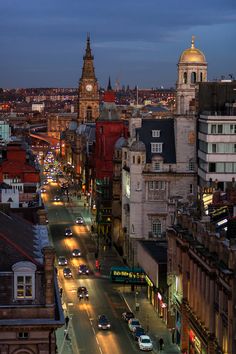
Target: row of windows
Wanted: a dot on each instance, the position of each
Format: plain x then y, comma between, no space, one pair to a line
156,185
222,167
193,77
221,148
218,167
217,128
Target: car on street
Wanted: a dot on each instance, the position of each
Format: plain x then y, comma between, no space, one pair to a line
79,220
62,261
145,343
133,323
57,198
67,272
127,315
76,253
45,182
103,322
82,293
68,232
138,331
83,269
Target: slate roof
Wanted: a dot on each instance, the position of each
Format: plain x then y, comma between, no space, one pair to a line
19,241
156,249
167,137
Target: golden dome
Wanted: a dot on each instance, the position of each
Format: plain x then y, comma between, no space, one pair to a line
192,55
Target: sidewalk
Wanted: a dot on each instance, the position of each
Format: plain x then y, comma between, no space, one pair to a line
153,325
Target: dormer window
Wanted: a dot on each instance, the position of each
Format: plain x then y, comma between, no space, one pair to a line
24,280
156,133
156,147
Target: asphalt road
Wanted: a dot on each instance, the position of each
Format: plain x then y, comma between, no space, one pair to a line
103,295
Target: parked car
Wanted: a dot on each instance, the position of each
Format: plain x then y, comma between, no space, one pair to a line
43,190
103,322
133,323
67,272
145,343
82,293
68,232
83,269
76,253
62,261
127,315
79,220
138,331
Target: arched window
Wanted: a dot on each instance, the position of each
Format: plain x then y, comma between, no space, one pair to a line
201,77
156,227
193,77
133,159
89,113
185,78
139,160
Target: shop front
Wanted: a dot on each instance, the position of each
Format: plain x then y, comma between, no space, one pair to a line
196,345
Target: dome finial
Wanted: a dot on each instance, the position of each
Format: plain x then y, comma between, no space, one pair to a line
192,42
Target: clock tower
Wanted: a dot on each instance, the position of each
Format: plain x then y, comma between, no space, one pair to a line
88,95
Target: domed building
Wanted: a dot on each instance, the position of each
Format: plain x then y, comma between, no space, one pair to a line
192,68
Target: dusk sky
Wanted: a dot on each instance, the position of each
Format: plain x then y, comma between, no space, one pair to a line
136,42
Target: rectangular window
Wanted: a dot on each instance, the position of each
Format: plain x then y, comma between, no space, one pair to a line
156,147
232,128
150,185
212,167
213,129
213,148
191,188
23,335
156,228
191,165
157,166
156,133
220,129
24,287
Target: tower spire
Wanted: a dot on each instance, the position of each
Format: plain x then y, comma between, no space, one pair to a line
88,67
109,88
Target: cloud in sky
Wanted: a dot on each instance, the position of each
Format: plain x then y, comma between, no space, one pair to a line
137,42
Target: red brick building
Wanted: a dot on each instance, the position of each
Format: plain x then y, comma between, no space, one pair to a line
109,128
18,170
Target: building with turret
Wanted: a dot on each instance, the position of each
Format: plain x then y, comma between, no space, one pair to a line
192,69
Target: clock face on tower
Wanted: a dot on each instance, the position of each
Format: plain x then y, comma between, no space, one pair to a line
89,87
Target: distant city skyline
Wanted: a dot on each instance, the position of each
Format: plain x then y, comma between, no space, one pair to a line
135,43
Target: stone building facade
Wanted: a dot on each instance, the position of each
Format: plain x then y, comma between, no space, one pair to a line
201,268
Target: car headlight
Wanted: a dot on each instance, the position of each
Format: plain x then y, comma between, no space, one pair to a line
99,326
108,325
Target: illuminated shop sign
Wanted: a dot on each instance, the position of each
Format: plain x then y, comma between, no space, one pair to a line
148,281
127,275
196,341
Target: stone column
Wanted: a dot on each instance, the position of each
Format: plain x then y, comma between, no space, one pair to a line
195,287
207,301
203,295
191,287
184,329
198,294
49,256
211,307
